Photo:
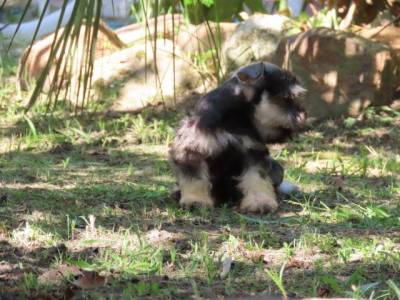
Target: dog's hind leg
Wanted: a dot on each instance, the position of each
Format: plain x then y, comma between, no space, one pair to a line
195,190
258,191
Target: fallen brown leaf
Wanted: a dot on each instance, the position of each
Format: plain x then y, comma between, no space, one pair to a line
89,280
295,263
339,183
323,291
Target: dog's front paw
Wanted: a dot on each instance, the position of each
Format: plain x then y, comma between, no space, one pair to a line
258,192
195,192
191,202
259,203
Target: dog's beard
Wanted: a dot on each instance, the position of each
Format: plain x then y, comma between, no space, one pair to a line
274,123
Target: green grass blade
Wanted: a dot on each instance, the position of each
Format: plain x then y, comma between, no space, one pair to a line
278,280
394,287
31,125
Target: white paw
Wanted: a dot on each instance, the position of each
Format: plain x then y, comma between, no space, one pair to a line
259,203
195,192
189,202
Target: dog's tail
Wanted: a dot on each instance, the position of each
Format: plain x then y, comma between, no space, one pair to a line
288,188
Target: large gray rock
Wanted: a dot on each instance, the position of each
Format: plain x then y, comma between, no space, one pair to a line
388,35
131,73
342,72
255,39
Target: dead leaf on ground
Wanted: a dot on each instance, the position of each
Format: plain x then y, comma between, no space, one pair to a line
339,183
272,257
256,256
19,208
298,264
89,280
323,291
64,147
55,276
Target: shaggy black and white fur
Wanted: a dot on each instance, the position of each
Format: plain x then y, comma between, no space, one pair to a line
219,153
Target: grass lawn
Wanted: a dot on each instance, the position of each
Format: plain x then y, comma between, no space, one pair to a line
86,212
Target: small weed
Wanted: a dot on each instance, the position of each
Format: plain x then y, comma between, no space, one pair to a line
29,282
153,132
277,279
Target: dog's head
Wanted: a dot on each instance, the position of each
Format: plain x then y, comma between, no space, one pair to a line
273,93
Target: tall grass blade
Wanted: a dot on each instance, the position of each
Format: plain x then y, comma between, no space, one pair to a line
278,280
74,50
85,54
155,37
31,125
40,82
3,3
19,22
27,52
96,27
149,35
173,53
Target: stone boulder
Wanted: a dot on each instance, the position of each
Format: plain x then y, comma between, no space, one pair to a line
343,73
255,39
137,83
388,35
190,38
33,60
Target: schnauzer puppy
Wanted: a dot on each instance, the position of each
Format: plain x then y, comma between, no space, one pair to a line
219,153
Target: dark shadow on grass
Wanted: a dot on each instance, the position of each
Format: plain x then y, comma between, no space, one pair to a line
134,194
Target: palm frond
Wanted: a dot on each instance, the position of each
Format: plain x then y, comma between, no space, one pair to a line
20,21
74,48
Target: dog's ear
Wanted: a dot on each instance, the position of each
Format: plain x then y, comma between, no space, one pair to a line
251,73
